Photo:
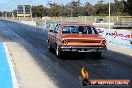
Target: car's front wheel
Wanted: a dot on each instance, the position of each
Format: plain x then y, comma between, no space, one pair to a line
58,52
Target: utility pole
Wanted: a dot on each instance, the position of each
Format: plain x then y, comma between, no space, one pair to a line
24,10
31,10
6,14
13,15
109,14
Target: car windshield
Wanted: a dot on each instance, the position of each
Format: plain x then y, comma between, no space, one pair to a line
79,30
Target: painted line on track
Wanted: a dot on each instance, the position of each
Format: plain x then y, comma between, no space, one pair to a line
7,74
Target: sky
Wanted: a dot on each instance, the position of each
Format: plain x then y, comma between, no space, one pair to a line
9,5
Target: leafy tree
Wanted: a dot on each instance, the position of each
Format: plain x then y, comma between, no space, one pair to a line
67,11
0,14
119,7
89,9
38,11
129,6
100,8
62,12
55,9
15,13
75,8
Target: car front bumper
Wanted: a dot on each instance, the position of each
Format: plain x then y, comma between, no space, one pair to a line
82,49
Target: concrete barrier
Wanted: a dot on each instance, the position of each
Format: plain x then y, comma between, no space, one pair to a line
45,25
33,23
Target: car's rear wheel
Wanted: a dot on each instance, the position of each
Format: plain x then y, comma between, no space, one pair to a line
49,47
58,52
98,55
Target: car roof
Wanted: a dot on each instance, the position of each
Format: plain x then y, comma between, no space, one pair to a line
76,24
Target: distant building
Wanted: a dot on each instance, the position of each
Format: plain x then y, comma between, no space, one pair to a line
24,11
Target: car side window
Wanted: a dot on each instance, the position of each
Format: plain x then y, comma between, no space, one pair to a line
95,31
57,28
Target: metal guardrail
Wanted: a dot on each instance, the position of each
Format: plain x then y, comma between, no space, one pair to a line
122,25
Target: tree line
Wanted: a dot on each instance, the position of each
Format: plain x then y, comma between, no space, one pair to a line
75,9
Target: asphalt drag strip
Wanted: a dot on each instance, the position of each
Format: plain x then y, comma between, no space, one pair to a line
29,49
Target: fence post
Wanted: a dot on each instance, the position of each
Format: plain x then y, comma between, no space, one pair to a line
95,18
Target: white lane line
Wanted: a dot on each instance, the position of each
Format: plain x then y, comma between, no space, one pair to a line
13,75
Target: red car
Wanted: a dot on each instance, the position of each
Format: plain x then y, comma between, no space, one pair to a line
76,37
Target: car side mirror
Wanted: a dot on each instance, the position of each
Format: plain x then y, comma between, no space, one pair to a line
51,30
